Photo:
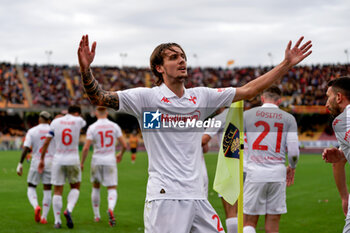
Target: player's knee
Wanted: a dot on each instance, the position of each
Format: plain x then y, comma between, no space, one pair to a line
31,185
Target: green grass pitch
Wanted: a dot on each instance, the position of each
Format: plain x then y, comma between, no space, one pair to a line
313,202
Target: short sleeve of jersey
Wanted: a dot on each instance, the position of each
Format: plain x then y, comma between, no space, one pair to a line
118,131
51,132
292,134
82,122
220,97
28,140
89,133
132,100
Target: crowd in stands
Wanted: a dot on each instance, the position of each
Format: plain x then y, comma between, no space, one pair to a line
11,88
59,86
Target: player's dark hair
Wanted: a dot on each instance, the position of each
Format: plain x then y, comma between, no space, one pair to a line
341,85
74,109
157,58
273,92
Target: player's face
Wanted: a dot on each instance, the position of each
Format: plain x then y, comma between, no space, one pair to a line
174,66
332,105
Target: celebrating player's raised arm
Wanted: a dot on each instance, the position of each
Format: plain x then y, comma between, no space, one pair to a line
292,57
96,94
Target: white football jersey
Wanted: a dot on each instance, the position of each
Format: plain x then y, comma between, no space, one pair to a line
66,132
35,139
341,127
104,134
268,130
174,155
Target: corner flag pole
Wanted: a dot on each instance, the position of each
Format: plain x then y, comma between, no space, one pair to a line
229,171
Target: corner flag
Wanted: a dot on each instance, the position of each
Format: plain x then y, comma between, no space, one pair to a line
227,176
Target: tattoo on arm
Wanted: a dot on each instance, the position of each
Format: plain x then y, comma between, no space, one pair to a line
96,94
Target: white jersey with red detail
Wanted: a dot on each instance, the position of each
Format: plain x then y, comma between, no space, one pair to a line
104,134
341,127
175,167
66,132
35,139
268,130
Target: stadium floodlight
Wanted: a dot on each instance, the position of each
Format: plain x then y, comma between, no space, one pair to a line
48,54
195,56
269,54
347,56
123,57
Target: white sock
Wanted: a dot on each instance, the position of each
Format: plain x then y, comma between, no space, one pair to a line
57,207
46,203
95,200
112,198
72,199
249,229
32,196
232,225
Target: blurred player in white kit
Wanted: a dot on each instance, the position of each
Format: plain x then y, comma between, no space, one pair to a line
338,104
103,135
65,131
34,139
271,134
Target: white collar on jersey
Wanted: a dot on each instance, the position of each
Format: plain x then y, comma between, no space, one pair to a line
347,107
269,105
168,93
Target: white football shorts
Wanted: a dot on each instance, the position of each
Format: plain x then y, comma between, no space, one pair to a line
346,228
104,174
34,177
262,198
181,216
62,172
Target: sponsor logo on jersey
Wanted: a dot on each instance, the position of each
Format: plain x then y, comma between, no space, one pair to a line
336,121
193,99
165,100
346,138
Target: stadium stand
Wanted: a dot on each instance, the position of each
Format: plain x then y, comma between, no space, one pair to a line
31,88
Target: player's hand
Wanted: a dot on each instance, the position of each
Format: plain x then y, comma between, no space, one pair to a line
205,147
85,55
41,166
119,157
82,167
333,155
290,176
296,54
344,203
19,169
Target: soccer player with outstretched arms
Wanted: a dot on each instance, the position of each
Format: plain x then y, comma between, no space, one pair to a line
175,179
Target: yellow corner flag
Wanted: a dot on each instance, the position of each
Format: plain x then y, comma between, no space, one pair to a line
227,176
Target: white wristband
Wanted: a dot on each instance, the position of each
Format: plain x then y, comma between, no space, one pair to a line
19,167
